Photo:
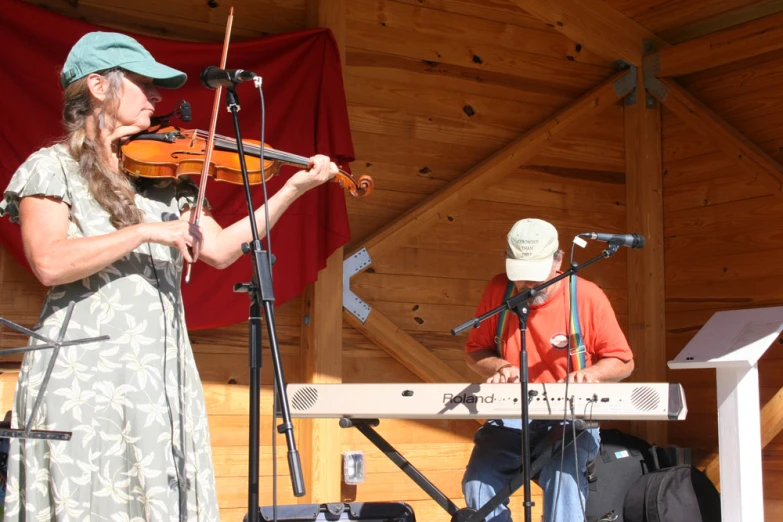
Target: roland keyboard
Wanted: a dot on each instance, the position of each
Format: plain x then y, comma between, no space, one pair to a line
604,401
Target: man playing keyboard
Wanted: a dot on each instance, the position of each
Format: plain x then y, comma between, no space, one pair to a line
579,342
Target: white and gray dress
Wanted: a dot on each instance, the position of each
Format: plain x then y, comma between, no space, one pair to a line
140,449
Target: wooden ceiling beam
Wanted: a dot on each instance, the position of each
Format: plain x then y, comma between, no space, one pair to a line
721,21
747,154
771,426
493,169
399,344
723,47
597,26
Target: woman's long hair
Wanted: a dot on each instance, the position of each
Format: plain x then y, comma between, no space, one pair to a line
111,189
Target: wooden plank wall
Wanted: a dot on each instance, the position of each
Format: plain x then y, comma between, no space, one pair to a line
723,239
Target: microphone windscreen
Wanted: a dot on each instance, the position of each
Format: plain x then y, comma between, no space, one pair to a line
639,243
185,112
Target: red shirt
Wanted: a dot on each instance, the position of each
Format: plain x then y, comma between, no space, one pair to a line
548,329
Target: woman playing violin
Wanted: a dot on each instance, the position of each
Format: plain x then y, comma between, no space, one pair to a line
140,447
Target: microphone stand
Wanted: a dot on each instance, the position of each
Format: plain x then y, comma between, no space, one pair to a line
260,291
519,305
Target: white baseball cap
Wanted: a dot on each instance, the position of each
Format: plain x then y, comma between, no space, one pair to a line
531,248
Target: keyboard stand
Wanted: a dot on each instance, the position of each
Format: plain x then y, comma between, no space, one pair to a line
539,458
365,426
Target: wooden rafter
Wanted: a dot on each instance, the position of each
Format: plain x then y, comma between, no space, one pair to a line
771,426
721,21
407,350
730,45
493,169
704,121
597,25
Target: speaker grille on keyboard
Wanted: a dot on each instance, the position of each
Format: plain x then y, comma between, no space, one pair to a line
645,398
304,398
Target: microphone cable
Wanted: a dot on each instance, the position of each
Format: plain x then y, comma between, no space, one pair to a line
268,236
582,501
565,422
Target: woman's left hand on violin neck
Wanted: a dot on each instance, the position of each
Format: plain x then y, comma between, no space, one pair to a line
321,170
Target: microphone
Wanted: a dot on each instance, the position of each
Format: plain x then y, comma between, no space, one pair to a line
629,240
213,77
185,113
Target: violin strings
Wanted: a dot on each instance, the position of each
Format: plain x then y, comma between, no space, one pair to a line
268,153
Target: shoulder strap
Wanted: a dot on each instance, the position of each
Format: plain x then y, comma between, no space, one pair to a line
576,345
503,320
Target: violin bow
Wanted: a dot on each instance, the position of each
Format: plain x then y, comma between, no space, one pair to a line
210,144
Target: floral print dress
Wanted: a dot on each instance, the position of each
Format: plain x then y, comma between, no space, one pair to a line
134,404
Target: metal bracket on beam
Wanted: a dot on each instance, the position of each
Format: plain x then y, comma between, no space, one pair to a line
625,87
351,266
651,67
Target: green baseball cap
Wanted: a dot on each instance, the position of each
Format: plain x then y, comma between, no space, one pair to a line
99,51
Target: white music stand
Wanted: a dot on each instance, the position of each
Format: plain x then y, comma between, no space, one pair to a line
732,342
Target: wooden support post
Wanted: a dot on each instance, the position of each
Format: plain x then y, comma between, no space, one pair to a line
322,332
322,329
329,14
644,215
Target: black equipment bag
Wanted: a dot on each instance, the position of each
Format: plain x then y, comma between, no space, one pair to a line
366,511
677,494
621,461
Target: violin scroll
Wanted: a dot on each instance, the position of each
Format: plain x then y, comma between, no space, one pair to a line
357,187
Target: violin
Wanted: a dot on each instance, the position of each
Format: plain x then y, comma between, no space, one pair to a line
171,152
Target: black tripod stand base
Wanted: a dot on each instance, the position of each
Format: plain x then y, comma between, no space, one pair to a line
35,434
465,514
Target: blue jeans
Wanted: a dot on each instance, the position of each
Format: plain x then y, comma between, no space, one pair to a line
496,460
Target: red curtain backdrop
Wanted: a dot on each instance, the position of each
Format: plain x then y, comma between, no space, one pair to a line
305,114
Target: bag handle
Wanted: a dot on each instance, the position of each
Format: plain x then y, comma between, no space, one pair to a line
656,462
